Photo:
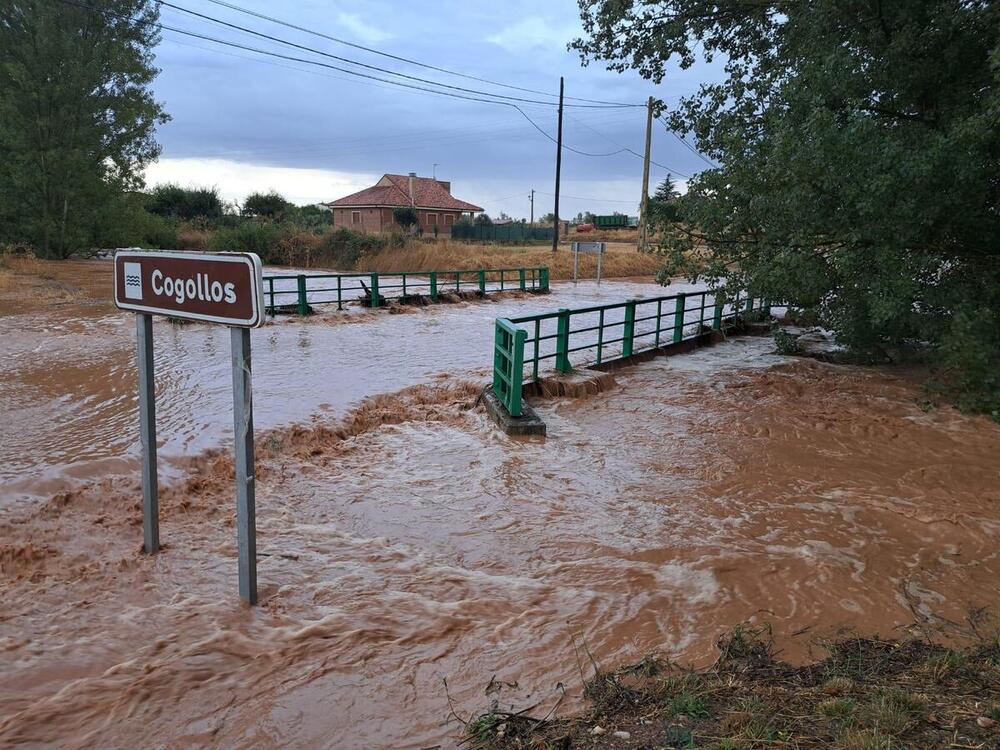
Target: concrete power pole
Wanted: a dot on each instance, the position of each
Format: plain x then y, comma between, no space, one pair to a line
531,198
555,211
644,202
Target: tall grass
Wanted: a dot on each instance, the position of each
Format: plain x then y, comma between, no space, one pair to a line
619,261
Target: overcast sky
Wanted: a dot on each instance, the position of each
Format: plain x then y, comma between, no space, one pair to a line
245,122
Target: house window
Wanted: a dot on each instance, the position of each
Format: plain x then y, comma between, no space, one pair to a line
448,220
432,220
355,217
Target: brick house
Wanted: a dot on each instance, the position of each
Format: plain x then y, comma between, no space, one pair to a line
370,210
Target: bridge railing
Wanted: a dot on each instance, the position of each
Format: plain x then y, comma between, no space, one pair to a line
301,291
604,333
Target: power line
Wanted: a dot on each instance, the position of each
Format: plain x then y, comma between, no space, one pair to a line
689,147
376,68
318,63
595,200
405,59
568,148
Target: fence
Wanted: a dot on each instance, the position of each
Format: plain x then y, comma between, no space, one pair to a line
300,291
609,332
515,232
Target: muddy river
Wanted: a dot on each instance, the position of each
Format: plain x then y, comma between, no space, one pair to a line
415,563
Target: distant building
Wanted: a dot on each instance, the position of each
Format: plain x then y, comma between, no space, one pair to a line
370,210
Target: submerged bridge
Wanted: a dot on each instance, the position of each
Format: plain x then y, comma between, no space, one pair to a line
299,292
602,334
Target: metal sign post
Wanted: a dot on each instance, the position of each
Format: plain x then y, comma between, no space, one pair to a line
246,503
224,288
588,247
147,434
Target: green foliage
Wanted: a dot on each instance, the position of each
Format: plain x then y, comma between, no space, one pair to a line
345,248
175,202
262,238
483,220
662,206
313,217
837,708
688,704
77,118
405,216
270,205
786,342
482,728
859,164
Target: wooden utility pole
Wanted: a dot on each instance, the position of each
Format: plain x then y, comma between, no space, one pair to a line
555,211
644,202
532,199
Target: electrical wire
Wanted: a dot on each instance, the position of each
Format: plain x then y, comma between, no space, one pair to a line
689,147
376,68
594,200
319,63
407,60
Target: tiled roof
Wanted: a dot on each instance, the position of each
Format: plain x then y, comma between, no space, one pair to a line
394,190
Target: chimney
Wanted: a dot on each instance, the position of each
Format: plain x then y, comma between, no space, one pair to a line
412,175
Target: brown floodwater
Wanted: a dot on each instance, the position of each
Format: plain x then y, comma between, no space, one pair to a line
404,542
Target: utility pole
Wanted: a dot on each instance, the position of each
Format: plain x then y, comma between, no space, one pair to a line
532,199
644,203
555,211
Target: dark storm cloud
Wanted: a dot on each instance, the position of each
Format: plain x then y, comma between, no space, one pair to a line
240,106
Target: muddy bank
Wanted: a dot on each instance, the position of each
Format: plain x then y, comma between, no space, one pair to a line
865,694
409,542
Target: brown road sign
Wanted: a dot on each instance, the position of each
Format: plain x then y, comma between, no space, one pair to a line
225,288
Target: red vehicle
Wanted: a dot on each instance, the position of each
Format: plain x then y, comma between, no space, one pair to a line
585,227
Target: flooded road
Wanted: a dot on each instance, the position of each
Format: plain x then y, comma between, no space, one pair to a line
69,391
404,541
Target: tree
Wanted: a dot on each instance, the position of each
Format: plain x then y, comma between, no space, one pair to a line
77,118
859,163
483,220
270,205
406,217
662,206
175,202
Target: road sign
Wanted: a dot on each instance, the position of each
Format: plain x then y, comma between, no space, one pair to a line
588,247
225,288
222,288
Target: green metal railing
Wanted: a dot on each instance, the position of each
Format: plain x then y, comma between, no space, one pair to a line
300,291
608,332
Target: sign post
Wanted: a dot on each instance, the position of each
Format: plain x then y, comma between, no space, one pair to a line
246,503
222,288
147,434
588,247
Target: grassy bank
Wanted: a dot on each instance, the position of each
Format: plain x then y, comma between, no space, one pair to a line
868,694
620,260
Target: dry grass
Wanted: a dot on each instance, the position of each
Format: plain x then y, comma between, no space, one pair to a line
193,239
28,283
621,260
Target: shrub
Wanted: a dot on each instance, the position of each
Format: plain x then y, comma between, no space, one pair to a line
271,205
173,201
343,248
405,216
298,248
262,238
189,238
